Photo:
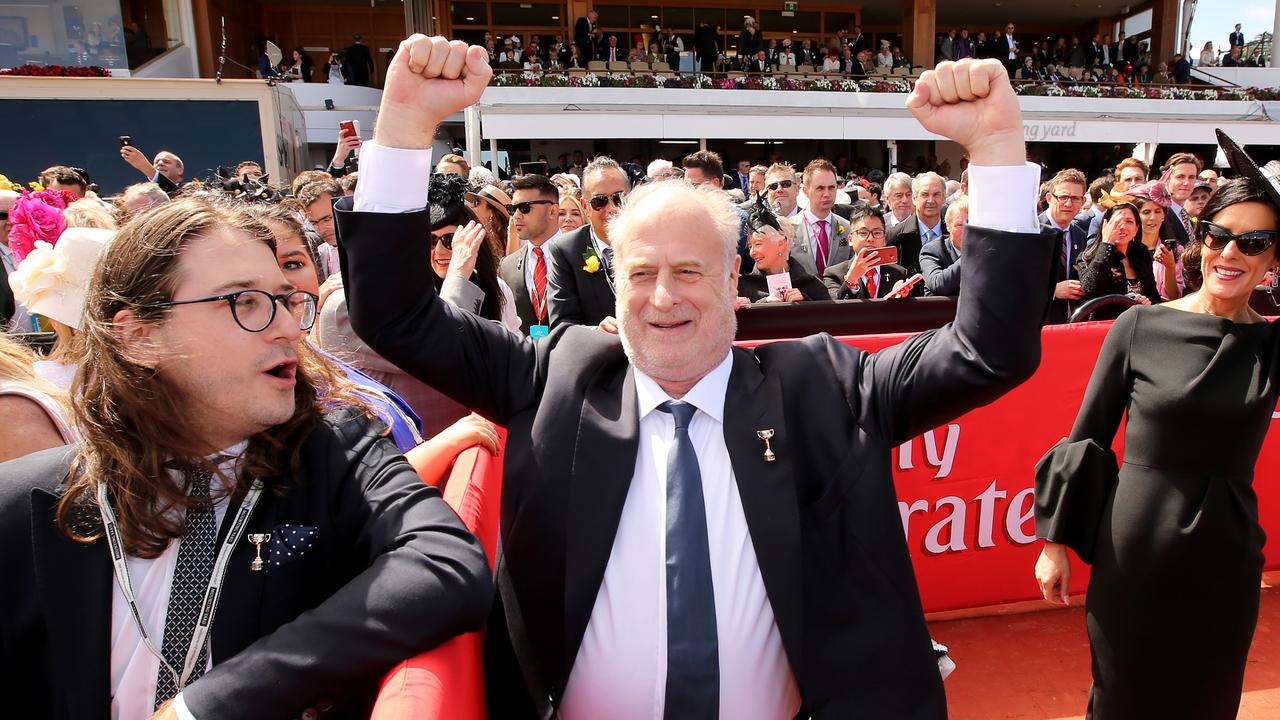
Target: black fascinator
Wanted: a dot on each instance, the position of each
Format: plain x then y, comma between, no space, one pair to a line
446,199
760,216
1267,177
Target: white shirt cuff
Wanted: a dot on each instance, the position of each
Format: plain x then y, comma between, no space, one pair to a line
392,180
180,707
1000,198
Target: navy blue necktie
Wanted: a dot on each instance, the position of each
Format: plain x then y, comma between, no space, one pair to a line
693,655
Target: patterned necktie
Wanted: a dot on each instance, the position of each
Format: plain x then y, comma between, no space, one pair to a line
539,285
1186,222
693,654
608,259
186,593
872,285
820,255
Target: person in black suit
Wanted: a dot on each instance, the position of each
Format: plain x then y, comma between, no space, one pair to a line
360,60
940,257
7,304
1182,172
928,192
1006,49
581,275
535,216
1236,38
1065,197
865,276
582,34
334,560
706,47
803,430
769,244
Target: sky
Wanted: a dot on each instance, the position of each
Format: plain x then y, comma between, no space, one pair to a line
1216,19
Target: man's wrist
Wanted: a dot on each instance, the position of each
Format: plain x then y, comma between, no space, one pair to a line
413,135
1010,150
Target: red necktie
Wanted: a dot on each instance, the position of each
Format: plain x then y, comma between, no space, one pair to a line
539,285
821,255
871,285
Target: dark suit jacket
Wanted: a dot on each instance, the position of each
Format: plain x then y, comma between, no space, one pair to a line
392,573
512,271
1004,47
906,237
1235,39
833,278
8,306
755,287
1173,228
940,265
582,31
1060,310
574,295
823,517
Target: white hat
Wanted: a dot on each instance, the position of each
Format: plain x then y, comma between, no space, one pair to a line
52,280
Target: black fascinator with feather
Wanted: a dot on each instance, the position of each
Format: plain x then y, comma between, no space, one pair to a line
446,200
760,216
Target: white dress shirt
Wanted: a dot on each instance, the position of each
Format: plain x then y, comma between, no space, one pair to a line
621,668
928,233
133,668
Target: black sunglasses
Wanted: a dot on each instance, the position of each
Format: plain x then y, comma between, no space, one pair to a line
526,207
446,240
780,184
598,202
1255,242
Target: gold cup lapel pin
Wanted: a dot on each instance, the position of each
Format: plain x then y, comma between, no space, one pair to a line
258,539
766,435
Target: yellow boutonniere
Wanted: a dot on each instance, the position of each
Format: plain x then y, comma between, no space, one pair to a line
1195,220
590,260
35,186
840,229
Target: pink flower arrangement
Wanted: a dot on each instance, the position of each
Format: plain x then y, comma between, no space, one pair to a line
37,216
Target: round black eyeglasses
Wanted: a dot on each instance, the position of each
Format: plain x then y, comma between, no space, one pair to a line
255,310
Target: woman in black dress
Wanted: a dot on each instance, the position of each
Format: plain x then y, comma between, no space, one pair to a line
1173,537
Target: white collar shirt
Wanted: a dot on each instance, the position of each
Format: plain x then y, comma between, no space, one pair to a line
620,669
134,669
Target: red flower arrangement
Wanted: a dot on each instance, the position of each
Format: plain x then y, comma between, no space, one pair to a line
37,216
30,70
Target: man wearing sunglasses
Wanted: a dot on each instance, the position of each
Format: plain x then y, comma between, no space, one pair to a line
782,188
641,467
535,211
581,275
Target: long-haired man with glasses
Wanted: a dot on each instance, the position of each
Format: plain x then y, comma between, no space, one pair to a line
235,536
580,277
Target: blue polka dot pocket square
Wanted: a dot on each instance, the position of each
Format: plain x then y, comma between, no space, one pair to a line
290,543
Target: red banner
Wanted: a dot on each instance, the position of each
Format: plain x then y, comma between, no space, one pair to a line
965,489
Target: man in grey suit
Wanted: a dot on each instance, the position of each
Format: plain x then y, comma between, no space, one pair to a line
940,257
778,458
822,237
535,206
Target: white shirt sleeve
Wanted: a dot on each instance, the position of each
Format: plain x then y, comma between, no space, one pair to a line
180,707
392,180
1000,198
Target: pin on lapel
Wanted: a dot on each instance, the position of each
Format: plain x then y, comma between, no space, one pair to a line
766,435
257,539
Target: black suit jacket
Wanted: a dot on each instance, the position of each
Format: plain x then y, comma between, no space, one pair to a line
1173,228
392,573
8,306
1060,310
940,265
512,271
574,295
582,31
906,237
823,517
833,278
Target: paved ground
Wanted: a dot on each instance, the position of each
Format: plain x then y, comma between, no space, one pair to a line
1035,665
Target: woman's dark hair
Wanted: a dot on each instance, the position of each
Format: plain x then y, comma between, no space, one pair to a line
1236,191
1092,250
447,208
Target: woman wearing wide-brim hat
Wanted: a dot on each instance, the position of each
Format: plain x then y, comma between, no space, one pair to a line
1173,537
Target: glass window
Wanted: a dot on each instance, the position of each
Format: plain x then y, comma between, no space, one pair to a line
712,16
645,17
468,13
527,14
773,21
837,21
733,18
1137,24
612,16
680,18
